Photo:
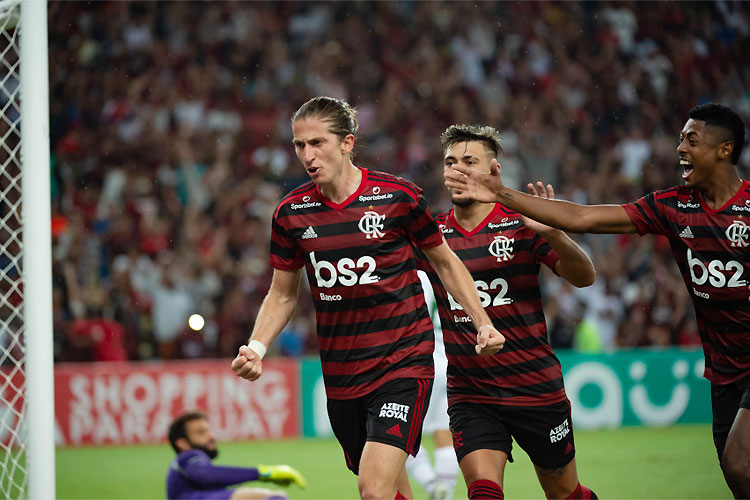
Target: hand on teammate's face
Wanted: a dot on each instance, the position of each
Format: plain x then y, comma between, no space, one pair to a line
482,187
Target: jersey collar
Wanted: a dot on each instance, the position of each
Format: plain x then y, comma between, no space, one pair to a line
352,197
495,211
732,200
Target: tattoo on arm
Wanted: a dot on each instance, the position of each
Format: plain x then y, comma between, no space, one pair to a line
507,196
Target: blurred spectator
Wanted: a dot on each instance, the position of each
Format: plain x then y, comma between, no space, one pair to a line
170,137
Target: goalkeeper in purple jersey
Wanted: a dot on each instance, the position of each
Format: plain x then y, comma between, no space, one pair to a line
705,221
192,475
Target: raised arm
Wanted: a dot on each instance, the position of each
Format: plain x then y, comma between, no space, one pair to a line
563,215
199,470
274,314
573,263
459,283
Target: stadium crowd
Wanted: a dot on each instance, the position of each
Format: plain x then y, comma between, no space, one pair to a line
171,146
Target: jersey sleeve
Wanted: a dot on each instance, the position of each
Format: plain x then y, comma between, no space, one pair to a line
647,215
198,469
286,255
544,253
422,228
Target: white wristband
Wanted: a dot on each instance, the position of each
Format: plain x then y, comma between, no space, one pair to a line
258,347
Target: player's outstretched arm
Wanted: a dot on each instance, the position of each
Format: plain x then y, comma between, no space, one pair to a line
200,471
281,474
273,315
563,215
459,283
573,262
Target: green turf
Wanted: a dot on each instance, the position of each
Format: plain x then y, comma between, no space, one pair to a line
676,462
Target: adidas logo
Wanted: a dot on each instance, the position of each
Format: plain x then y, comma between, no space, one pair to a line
686,233
394,431
309,233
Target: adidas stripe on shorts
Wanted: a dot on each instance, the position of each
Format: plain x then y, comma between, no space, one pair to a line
391,414
545,433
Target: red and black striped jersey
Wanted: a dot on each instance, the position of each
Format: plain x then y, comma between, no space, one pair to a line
712,250
372,321
503,257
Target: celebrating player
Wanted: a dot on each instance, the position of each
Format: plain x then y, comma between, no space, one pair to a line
519,392
355,230
192,475
706,224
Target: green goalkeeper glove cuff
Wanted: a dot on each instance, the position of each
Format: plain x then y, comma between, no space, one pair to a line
281,474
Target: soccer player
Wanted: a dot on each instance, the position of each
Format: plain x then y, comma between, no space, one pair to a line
355,232
439,480
517,393
192,475
706,224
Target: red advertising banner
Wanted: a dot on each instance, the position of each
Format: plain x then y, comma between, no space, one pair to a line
121,403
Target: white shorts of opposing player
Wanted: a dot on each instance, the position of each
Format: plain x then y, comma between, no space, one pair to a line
439,480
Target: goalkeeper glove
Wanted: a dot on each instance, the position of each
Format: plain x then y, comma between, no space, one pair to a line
281,474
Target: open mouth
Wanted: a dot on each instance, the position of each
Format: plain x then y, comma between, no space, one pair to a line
687,168
312,170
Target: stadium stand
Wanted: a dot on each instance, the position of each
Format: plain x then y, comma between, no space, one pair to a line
171,147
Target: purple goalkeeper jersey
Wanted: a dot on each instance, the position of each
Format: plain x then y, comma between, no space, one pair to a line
192,475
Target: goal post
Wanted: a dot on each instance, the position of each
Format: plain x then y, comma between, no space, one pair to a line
27,426
37,243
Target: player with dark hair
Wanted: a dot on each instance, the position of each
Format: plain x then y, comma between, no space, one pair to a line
706,224
517,393
355,232
192,475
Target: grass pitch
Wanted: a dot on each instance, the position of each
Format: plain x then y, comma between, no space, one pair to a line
633,463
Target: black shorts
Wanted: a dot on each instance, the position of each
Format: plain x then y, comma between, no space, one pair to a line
391,414
726,400
545,433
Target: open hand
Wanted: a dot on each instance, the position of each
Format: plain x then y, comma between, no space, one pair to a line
542,192
478,186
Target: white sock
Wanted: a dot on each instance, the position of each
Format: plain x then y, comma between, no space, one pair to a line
420,469
446,467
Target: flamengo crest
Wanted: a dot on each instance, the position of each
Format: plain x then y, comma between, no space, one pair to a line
738,234
372,225
502,248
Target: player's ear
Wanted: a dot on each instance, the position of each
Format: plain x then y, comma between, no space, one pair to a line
183,444
347,144
725,149
495,166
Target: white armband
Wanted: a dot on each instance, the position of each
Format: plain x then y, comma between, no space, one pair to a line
258,347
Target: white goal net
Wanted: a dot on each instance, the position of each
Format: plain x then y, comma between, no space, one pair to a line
12,356
23,328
